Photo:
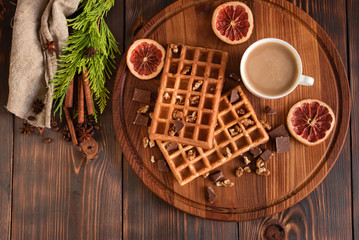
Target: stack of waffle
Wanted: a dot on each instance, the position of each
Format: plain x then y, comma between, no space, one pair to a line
215,129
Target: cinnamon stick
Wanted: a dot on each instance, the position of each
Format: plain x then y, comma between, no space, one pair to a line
87,91
81,101
69,98
70,125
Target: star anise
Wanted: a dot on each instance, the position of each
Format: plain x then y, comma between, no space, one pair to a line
85,134
27,129
49,46
91,52
37,106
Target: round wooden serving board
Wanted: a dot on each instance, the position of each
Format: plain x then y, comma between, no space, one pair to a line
293,175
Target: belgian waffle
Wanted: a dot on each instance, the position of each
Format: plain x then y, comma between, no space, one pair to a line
228,143
190,91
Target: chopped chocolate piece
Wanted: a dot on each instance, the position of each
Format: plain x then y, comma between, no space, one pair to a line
141,120
279,131
234,96
256,152
282,144
178,125
270,111
140,95
235,77
162,166
171,146
215,177
211,195
266,155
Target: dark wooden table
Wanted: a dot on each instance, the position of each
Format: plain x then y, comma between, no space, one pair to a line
48,191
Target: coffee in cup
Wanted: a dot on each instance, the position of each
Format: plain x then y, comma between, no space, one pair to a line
271,68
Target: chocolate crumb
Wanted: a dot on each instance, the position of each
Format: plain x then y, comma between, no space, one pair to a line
211,195
235,77
217,176
47,140
270,111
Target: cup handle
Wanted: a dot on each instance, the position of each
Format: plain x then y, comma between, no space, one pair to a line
306,81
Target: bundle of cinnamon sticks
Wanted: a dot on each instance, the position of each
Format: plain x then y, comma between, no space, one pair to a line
83,95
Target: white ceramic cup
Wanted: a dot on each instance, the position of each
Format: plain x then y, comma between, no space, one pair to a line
301,79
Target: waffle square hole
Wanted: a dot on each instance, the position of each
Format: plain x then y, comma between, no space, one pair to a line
200,70
214,73
247,122
167,97
211,88
188,132
176,53
170,82
214,157
179,160
222,105
164,113
161,128
203,56
197,85
241,111
173,68
184,82
221,138
206,118
217,58
185,173
228,117
199,165
180,99
194,100
189,54
208,103
241,142
255,135
186,69
203,134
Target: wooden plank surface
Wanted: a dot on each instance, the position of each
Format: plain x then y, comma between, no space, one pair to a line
6,122
55,196
353,72
60,195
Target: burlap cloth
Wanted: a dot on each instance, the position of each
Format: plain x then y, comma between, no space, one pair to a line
31,69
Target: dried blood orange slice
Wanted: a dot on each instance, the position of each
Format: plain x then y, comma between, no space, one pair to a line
145,58
232,22
310,121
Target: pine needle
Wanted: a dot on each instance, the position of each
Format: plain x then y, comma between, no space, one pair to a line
88,29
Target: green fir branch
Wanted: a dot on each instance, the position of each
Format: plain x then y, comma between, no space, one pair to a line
88,29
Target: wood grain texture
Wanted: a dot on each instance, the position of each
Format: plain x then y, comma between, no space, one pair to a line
146,216
6,122
353,46
60,195
294,175
326,212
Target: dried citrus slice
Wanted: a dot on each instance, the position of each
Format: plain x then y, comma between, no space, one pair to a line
145,58
310,121
232,22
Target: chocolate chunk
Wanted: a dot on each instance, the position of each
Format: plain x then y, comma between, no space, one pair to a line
140,95
266,155
282,144
270,111
256,152
235,77
162,166
234,96
141,120
216,176
178,125
279,131
211,195
171,146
